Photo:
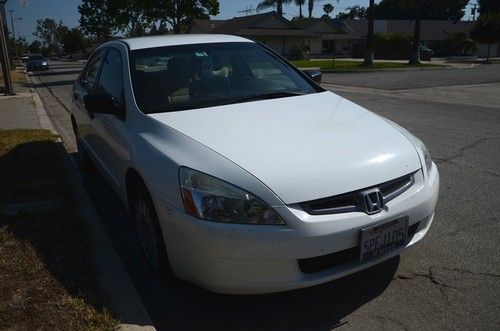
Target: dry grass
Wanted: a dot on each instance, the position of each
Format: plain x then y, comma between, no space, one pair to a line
17,77
48,279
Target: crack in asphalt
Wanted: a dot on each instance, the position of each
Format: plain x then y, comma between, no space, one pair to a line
431,275
462,150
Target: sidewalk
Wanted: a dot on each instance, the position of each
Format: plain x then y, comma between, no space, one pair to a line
25,110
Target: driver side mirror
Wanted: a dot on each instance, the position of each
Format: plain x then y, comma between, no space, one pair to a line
100,103
315,75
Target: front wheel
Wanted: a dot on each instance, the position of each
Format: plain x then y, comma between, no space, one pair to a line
149,232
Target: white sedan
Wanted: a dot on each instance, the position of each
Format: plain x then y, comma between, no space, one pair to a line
242,174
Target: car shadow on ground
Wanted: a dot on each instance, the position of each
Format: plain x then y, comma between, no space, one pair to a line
175,304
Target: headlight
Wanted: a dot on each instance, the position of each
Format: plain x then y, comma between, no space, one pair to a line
212,199
427,156
44,63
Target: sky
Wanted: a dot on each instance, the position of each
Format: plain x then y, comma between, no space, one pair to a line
66,10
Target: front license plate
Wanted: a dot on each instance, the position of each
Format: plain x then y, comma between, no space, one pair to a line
380,239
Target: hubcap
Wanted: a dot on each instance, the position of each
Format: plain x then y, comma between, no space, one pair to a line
147,232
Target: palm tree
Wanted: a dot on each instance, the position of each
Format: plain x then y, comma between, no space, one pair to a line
369,36
415,54
272,4
300,3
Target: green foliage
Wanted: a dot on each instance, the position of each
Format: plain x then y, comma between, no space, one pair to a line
74,41
278,4
460,44
328,8
392,45
178,14
35,47
20,45
96,19
51,33
354,13
452,10
299,53
487,30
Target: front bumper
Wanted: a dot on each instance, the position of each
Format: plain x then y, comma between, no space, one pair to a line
248,259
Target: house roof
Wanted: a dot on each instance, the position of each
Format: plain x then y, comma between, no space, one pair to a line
205,25
320,25
260,24
430,29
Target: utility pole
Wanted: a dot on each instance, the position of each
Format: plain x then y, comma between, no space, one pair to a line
4,53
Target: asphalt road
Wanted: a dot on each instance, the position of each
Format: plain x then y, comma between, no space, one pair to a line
451,280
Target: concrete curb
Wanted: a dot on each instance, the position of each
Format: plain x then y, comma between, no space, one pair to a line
113,279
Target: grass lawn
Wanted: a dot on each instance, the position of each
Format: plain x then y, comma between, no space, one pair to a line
17,77
342,65
47,275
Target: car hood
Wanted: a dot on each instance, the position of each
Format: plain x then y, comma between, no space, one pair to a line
304,147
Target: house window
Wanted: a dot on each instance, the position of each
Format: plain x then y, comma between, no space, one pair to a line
328,46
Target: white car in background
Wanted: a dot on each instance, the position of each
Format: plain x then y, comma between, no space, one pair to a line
242,174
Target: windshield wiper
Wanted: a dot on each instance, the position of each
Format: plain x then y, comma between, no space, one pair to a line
266,96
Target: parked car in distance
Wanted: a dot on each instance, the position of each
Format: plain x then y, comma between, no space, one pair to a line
36,62
24,57
241,173
425,53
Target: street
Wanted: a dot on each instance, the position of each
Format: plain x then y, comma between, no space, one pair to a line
451,280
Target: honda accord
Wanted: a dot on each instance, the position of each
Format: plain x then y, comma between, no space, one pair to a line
241,173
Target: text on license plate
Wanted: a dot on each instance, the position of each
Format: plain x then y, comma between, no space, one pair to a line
380,239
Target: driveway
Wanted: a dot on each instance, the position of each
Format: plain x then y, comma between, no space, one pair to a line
449,281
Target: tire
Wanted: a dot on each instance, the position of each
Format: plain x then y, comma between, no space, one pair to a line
149,232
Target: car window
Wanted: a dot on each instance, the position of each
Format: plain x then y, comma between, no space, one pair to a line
184,77
111,77
89,75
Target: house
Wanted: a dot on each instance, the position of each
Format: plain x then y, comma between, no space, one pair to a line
332,36
432,32
277,32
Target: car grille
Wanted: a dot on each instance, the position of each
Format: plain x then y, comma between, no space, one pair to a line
352,201
321,263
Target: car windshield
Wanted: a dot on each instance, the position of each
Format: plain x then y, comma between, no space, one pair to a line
203,75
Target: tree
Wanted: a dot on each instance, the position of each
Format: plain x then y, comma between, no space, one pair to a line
35,46
300,3
310,7
451,10
51,33
369,37
74,41
328,8
459,43
353,13
95,19
489,6
20,45
415,53
178,13
265,4
487,30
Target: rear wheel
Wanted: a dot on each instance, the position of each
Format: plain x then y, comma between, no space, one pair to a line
149,231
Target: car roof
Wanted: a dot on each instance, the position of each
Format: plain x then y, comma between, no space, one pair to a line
180,39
